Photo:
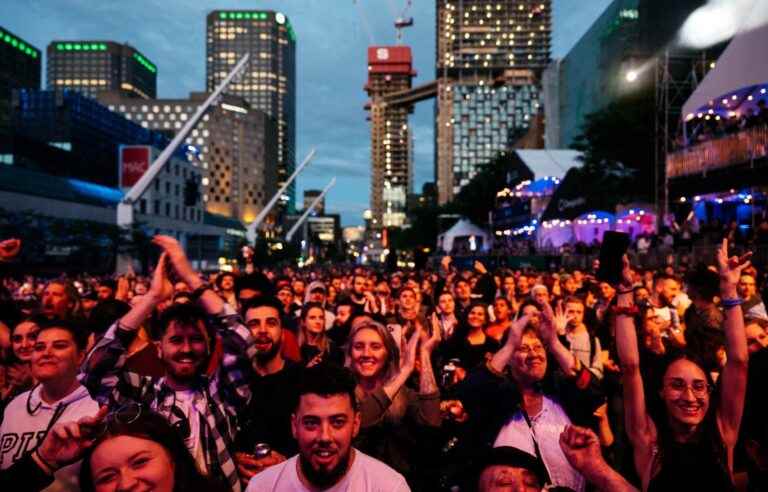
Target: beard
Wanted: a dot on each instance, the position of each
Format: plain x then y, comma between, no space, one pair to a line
274,349
322,479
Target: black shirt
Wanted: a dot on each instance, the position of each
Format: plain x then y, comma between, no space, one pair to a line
267,417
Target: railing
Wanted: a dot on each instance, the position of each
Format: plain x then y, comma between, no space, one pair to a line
726,151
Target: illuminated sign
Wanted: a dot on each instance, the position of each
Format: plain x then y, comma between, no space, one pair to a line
134,162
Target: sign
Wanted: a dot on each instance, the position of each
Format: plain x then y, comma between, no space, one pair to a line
134,162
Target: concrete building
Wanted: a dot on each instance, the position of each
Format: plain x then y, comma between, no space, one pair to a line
269,82
234,147
389,72
93,67
490,56
20,64
310,196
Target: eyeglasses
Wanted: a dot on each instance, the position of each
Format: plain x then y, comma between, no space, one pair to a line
699,388
125,414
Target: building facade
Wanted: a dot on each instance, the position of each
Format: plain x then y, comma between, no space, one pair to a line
490,56
20,64
389,72
93,67
310,196
234,146
85,133
268,83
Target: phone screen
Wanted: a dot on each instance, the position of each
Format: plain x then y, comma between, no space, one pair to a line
614,247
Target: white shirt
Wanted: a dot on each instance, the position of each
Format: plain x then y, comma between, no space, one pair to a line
365,475
22,431
186,402
547,427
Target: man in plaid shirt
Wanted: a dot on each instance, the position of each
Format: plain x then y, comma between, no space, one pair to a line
202,407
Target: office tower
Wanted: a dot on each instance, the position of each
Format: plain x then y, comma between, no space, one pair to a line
93,67
269,82
19,69
389,72
233,145
490,54
310,196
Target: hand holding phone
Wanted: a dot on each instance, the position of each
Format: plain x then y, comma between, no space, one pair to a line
614,247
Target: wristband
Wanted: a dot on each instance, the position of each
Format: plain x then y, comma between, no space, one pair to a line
625,310
730,303
47,467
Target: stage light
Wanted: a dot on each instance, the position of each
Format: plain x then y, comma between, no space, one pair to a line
631,76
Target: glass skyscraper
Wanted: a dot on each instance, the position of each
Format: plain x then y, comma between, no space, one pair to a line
269,82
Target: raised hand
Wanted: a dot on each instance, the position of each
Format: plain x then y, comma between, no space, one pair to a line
627,281
515,331
581,448
408,360
730,268
9,248
178,260
480,267
560,320
161,289
430,342
548,328
66,442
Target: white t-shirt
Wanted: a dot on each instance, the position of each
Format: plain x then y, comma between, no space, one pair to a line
547,427
365,475
22,431
185,401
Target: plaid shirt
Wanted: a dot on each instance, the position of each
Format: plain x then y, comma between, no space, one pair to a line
222,394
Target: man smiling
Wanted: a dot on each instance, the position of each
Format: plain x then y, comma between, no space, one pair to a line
325,421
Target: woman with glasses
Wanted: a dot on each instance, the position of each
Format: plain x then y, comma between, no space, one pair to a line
686,441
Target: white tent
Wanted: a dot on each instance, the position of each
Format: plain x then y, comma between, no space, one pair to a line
743,65
464,234
552,163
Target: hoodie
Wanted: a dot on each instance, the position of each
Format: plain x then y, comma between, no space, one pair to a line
21,430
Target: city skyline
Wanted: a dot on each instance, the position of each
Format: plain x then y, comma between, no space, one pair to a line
330,114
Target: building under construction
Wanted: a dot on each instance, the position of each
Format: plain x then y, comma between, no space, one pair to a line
390,74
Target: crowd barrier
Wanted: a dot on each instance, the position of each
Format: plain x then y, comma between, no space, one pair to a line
729,150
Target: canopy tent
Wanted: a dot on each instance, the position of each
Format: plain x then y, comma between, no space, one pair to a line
552,163
554,234
464,236
635,220
576,195
590,227
740,72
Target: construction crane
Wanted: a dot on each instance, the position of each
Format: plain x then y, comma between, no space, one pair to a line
402,21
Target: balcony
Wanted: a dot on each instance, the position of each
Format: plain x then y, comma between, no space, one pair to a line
731,150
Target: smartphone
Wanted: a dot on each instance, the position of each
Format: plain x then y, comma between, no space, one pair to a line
614,247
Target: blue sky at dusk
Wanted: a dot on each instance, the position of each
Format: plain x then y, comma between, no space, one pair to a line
332,36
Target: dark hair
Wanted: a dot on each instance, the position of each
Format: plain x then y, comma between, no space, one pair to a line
262,301
574,300
220,278
327,380
155,428
108,282
254,281
105,313
703,282
181,313
79,335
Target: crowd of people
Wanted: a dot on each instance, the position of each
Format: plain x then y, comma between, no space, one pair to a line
349,378
710,126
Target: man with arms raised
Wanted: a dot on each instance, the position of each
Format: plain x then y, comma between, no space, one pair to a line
324,422
202,406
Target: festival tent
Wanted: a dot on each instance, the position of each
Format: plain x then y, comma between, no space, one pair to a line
636,219
555,233
590,227
464,235
739,79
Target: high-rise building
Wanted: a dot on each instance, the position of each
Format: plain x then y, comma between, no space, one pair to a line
490,55
268,83
310,196
93,67
19,69
234,146
389,72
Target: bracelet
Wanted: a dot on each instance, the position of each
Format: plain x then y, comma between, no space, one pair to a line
625,310
730,303
195,295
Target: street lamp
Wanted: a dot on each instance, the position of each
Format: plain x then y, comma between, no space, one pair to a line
631,76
